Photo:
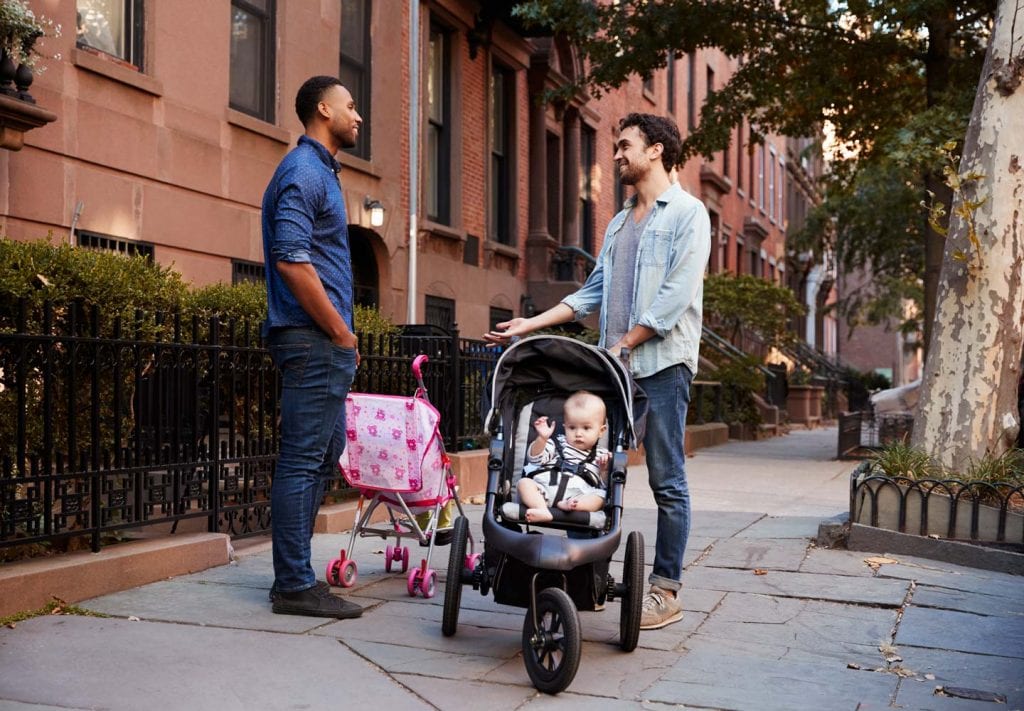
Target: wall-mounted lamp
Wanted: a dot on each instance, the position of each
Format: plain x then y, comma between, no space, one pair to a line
376,210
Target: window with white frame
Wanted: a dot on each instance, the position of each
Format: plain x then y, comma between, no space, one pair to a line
771,184
114,27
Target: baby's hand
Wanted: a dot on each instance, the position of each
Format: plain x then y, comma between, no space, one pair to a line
603,459
545,427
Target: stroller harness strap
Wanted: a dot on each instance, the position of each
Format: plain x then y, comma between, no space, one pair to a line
560,472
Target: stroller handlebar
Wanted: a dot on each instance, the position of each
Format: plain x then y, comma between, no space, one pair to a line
417,365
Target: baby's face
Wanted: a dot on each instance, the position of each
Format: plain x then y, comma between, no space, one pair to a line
583,427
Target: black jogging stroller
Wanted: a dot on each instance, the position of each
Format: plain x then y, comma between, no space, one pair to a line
555,568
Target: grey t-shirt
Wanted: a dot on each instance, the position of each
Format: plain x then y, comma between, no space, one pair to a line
623,259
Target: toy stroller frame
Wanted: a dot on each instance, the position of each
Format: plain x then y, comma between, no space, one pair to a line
422,578
553,576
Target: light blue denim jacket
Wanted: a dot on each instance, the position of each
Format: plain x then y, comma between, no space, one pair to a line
668,284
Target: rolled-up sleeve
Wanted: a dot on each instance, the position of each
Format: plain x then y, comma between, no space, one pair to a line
584,300
297,205
690,251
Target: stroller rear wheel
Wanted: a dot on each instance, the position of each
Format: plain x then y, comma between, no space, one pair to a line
633,594
551,649
453,583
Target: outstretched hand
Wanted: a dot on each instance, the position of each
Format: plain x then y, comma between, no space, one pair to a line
507,330
545,427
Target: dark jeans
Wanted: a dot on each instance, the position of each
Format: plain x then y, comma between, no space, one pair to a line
316,375
668,398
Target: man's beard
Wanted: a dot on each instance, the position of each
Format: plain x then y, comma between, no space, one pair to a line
630,175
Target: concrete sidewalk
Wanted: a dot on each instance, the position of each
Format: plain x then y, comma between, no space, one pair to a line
772,622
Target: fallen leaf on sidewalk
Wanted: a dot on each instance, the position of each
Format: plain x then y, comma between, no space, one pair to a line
760,571
877,562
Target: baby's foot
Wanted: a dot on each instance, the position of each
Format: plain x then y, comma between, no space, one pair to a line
567,504
538,515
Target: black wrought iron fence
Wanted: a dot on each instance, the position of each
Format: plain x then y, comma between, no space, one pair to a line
107,426
102,431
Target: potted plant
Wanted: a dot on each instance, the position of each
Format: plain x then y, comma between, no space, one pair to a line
20,29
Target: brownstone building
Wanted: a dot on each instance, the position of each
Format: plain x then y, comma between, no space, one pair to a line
172,114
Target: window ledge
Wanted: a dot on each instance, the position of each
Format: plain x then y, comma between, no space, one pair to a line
356,163
251,123
113,68
505,250
436,229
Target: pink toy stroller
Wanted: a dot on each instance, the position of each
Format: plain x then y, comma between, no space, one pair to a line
395,456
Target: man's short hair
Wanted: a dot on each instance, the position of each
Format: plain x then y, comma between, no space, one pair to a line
658,129
310,94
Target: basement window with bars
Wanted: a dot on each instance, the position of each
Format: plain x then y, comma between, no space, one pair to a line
242,270
95,240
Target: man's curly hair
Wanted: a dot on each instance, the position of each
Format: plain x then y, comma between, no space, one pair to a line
658,129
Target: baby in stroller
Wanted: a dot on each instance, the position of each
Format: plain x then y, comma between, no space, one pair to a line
565,470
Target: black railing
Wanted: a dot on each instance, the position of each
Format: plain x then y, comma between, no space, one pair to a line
107,426
862,431
774,382
947,508
107,429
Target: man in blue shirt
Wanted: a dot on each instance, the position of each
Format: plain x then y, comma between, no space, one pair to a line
649,285
310,333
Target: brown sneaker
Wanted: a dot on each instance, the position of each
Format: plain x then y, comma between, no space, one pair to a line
316,601
660,608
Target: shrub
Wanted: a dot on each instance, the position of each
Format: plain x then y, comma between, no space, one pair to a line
738,301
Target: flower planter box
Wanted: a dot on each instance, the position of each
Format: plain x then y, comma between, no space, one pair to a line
965,511
803,403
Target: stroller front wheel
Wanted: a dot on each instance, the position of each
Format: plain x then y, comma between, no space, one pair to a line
453,583
551,649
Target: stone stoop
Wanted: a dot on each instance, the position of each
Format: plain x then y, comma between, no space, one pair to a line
697,437
72,577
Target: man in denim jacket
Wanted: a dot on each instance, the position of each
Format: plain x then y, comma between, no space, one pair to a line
649,286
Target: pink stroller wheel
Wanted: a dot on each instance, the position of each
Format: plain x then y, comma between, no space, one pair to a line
334,572
412,582
405,558
347,573
429,587
389,555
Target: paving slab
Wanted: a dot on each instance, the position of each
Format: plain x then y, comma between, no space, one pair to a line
580,702
955,577
966,601
116,664
205,604
921,695
447,694
985,672
836,562
403,659
871,591
962,631
766,553
846,633
722,524
782,527
706,678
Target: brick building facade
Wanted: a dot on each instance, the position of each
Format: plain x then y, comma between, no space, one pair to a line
172,115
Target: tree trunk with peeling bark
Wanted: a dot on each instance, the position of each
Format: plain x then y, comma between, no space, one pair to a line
968,405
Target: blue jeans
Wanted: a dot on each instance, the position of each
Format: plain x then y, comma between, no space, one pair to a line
668,397
316,375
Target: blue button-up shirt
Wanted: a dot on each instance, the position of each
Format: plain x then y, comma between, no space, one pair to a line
304,220
668,284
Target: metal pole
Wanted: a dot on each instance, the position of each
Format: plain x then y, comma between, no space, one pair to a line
414,132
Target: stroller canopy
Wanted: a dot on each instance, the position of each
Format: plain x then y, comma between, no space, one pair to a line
545,365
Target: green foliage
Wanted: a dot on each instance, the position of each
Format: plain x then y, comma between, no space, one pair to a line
741,380
736,301
246,300
117,284
900,459
20,27
1007,467
370,321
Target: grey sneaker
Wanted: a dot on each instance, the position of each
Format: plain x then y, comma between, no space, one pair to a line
660,608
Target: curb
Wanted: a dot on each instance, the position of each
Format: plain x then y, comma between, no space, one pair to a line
72,577
868,538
